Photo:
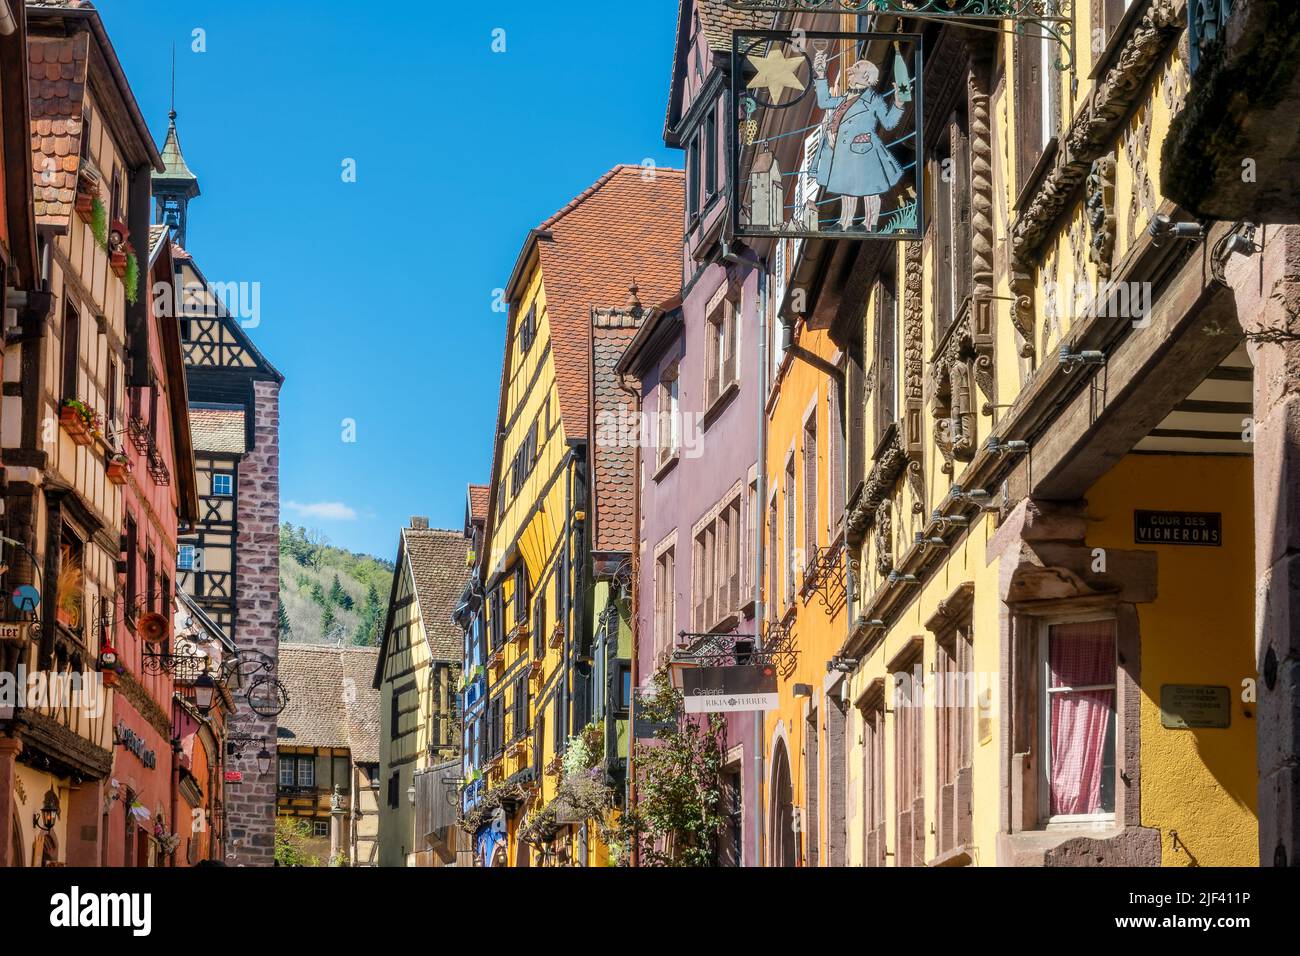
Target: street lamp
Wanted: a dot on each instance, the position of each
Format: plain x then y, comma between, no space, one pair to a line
410,794
205,689
264,760
48,815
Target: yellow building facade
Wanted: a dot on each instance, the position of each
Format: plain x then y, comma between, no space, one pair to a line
1046,657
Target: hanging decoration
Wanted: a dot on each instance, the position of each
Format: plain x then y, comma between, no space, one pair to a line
826,135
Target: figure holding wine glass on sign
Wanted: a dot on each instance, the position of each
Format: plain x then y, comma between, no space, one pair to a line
853,161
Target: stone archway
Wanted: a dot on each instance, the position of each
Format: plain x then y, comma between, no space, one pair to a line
784,843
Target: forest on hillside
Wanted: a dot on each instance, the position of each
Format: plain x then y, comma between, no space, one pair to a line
329,595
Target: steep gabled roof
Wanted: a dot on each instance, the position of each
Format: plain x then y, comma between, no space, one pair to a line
625,228
331,700
717,22
434,559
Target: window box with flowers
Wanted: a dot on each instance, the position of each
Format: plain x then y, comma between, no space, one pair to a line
88,182
556,637
119,469
79,420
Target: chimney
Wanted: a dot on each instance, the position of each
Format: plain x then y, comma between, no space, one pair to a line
419,523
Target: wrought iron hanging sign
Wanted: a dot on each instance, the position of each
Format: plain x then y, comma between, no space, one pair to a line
826,135
1051,19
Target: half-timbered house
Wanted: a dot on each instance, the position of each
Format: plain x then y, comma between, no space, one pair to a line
328,751
418,677
66,377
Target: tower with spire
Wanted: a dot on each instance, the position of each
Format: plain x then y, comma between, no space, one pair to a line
175,186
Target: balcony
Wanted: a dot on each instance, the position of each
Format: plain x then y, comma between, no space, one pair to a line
1233,150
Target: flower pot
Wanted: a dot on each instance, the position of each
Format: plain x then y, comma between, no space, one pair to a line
117,262
110,678
117,472
78,429
85,207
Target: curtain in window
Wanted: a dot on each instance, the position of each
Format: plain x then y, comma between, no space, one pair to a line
1081,655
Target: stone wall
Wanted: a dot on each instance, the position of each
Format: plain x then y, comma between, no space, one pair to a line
250,805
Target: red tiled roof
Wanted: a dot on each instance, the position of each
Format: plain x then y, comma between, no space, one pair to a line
437,560
478,502
613,462
56,72
331,700
627,227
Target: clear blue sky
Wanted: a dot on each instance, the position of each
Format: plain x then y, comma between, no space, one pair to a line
377,295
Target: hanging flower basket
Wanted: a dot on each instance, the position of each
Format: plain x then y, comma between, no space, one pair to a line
119,468
79,420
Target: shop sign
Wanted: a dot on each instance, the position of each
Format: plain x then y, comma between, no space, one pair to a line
1192,706
826,135
717,690
1178,527
13,632
129,739
234,776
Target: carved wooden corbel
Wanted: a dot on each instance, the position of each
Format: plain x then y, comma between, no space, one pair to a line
885,538
1100,205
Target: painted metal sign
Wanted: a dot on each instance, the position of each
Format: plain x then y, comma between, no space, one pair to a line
718,690
826,135
1203,528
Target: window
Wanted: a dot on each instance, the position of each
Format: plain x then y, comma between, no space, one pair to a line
151,580
810,491
693,179
909,772
521,595
115,194
773,558
306,772
287,765
185,555
520,715
790,545
131,555
223,484
715,578
711,154
528,329
873,778
320,828
394,784
496,620
1079,727
722,330
669,415
112,401
838,477
539,624
665,600
955,717
501,498
71,350
1038,110
394,714
85,133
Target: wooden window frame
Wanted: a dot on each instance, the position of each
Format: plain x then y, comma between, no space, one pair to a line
1043,626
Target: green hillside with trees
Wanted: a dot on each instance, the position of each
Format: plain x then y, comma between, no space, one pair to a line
329,595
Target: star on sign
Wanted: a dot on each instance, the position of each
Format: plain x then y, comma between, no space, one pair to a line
776,73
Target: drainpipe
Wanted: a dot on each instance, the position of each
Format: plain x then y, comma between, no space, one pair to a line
636,609
756,811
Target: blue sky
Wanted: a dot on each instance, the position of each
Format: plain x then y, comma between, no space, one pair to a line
377,295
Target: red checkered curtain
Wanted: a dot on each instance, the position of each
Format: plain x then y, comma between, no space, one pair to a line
1080,656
